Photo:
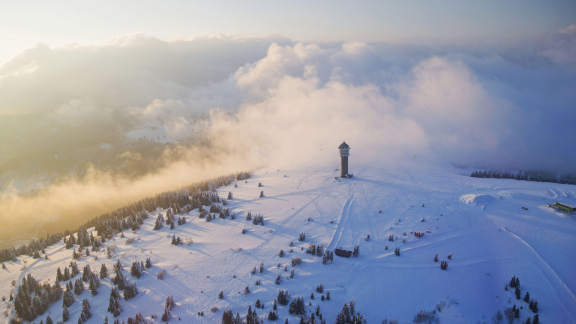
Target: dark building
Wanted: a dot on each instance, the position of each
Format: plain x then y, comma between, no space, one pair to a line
344,153
343,253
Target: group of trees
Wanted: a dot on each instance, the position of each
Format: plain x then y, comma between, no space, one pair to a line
257,219
33,298
86,314
296,306
137,268
176,240
33,249
169,220
69,272
314,249
539,176
514,312
130,289
114,306
176,202
348,315
328,257
229,318
76,287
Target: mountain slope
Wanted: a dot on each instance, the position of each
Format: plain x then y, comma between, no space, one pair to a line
480,222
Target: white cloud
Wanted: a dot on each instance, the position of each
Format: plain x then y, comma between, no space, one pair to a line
251,103
560,47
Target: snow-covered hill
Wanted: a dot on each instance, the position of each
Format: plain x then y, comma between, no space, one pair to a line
487,230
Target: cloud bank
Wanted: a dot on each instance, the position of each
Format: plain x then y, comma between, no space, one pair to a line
145,115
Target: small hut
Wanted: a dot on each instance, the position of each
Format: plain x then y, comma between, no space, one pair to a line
563,207
343,253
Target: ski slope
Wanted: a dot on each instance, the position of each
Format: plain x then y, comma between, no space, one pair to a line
481,222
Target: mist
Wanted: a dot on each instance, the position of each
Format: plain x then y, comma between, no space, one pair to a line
86,129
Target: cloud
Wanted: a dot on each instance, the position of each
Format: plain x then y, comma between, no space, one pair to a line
560,46
467,108
462,120
141,115
67,101
69,202
302,122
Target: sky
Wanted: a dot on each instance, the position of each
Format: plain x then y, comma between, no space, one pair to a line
25,23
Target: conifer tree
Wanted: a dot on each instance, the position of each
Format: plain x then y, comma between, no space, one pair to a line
78,287
159,222
94,284
228,317
103,271
59,275
65,314
130,291
117,266
114,303
73,269
135,269
86,273
68,298
86,314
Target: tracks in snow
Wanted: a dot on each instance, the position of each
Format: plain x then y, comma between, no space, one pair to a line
342,221
553,278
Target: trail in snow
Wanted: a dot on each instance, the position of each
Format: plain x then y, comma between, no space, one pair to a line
553,279
342,220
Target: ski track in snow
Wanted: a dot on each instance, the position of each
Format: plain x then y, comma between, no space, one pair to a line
342,220
300,210
552,277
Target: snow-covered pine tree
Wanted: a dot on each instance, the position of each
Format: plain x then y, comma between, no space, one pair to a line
103,271
68,298
78,286
114,303
86,314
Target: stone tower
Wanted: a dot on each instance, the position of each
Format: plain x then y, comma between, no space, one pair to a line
344,153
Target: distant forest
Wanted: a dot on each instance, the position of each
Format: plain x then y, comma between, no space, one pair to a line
539,176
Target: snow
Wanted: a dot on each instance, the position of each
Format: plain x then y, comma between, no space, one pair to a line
494,228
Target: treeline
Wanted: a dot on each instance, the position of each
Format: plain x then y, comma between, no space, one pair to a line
129,217
33,249
538,176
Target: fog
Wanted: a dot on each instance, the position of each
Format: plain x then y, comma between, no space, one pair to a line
86,129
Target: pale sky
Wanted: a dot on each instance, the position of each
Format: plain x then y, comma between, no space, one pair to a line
25,23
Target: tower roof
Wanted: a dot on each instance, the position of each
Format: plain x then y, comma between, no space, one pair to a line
344,146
